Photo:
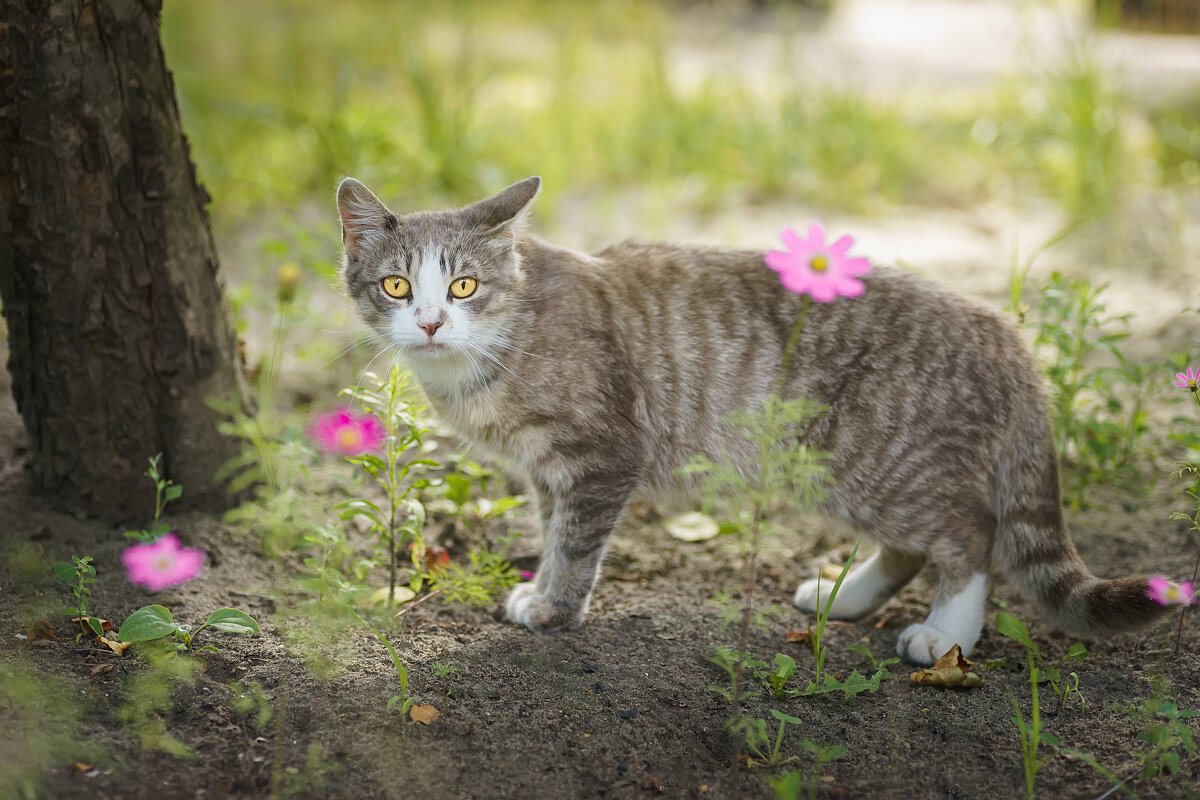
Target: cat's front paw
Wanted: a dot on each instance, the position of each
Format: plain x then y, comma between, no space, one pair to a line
538,613
924,645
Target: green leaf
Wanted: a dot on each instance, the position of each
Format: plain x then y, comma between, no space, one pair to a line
96,625
314,585
1077,651
779,715
173,492
230,620
1013,628
147,623
392,701
65,572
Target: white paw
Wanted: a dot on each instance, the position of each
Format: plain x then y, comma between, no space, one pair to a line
526,606
806,598
849,603
924,645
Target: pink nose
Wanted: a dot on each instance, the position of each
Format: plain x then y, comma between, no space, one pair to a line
429,327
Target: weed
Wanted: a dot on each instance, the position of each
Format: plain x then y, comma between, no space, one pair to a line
252,700
165,490
153,622
403,520
78,575
1096,411
1064,688
148,699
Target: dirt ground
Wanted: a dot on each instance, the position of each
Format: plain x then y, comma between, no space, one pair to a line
619,708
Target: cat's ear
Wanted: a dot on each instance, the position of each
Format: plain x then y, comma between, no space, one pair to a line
363,216
507,211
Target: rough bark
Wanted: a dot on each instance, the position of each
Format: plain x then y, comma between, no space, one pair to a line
116,322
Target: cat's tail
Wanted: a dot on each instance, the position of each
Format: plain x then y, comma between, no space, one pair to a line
1033,551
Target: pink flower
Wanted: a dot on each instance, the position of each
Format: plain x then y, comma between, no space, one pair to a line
809,266
347,434
526,575
1165,593
161,564
1189,379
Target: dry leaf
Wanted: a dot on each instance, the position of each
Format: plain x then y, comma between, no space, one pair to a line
950,670
117,647
796,636
82,767
102,668
426,715
105,624
41,630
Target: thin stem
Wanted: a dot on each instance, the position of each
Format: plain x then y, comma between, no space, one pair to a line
805,304
1196,526
416,603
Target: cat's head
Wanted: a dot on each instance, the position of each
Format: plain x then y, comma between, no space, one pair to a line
442,285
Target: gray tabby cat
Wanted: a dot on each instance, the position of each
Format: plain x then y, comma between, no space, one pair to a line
599,375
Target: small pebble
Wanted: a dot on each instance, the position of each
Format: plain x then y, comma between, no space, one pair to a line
630,714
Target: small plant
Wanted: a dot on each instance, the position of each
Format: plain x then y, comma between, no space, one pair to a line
401,521
444,671
154,622
1189,471
876,665
790,784
165,490
816,633
78,575
466,496
402,700
1013,628
1096,411
753,732
734,663
252,700
1165,733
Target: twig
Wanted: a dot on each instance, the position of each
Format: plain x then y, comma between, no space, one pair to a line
416,603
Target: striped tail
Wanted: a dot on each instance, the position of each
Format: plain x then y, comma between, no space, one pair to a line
1033,551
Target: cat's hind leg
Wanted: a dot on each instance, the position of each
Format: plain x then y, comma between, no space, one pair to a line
956,616
867,586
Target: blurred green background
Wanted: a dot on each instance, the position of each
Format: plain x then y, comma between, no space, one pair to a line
639,113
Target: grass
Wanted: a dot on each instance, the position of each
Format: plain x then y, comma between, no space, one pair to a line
433,103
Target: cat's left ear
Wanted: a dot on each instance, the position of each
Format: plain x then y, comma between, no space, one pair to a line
506,212
363,216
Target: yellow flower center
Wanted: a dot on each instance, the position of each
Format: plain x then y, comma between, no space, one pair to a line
162,563
819,262
348,438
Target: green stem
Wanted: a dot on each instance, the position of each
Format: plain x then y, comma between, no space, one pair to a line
805,305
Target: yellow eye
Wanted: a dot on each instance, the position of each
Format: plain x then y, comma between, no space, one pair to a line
395,286
463,287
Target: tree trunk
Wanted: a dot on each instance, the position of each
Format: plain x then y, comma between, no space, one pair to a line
116,322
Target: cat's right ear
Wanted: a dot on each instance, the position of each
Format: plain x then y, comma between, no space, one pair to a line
363,215
506,212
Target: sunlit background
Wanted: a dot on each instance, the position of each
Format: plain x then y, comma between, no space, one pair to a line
955,138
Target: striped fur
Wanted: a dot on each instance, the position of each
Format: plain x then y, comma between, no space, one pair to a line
599,375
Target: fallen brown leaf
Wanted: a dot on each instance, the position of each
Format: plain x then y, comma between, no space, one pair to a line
426,715
105,624
950,670
40,630
117,647
82,767
796,636
102,668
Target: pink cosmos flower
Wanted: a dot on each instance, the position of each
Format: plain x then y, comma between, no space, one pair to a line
347,434
1165,593
526,575
822,271
161,564
1189,379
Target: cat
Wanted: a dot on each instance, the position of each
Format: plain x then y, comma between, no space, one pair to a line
600,375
